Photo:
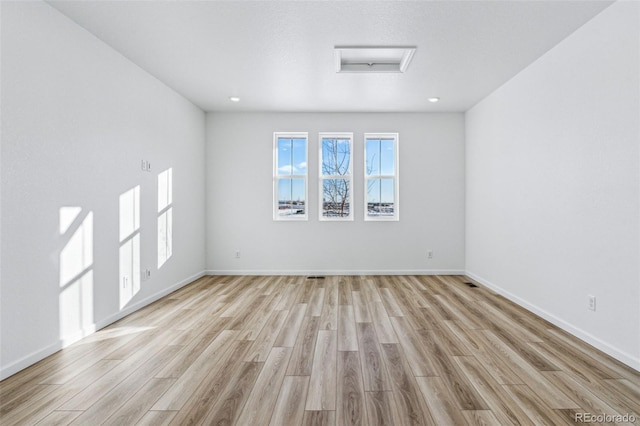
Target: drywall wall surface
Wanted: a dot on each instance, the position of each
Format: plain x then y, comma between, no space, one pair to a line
77,121
553,184
240,198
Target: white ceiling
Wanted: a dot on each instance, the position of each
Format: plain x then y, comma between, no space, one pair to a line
278,55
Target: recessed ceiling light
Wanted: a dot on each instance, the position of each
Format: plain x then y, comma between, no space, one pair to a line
234,99
434,100
373,59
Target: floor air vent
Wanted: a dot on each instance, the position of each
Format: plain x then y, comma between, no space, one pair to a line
471,285
315,277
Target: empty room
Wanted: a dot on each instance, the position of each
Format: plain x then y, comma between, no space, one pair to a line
320,212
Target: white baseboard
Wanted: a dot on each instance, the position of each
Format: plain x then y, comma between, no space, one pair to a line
312,272
41,354
144,302
626,358
29,360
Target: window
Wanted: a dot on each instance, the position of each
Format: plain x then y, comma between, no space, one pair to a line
335,189
290,176
381,176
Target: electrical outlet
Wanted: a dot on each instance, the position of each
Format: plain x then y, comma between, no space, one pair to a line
592,303
430,254
237,254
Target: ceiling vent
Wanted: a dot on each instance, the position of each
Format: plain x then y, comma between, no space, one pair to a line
373,59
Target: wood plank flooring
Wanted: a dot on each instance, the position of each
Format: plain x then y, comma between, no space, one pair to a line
343,350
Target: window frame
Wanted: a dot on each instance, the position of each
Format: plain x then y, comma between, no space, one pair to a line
276,177
396,177
322,177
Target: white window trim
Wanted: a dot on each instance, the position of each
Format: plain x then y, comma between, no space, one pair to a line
292,135
321,177
396,177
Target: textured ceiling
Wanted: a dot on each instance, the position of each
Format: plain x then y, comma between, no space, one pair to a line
278,55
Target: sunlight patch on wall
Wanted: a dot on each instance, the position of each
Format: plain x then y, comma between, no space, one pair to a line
165,216
129,283
67,216
76,274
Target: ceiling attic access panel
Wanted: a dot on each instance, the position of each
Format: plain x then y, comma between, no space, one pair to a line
373,59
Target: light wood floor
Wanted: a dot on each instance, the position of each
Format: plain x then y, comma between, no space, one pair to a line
336,351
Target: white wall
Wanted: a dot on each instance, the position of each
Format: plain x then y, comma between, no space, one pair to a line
77,119
553,189
240,191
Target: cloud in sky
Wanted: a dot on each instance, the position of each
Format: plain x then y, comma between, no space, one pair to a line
288,169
